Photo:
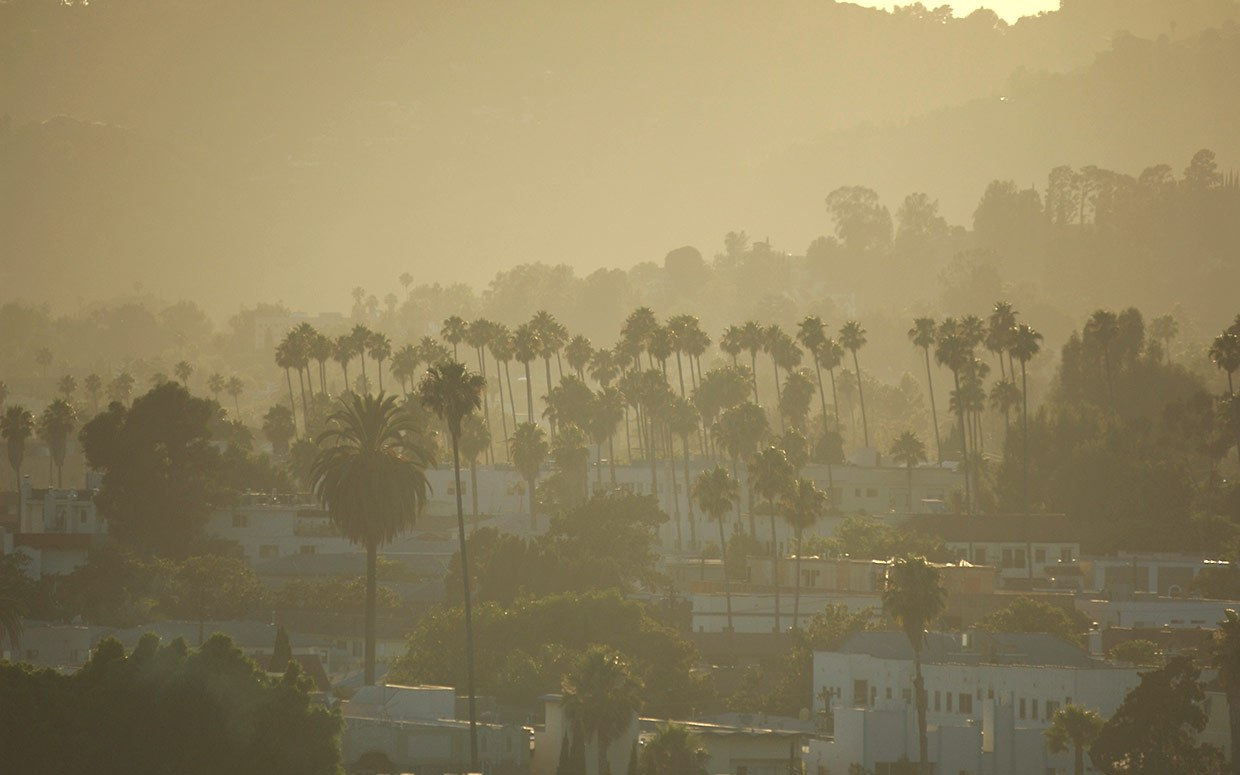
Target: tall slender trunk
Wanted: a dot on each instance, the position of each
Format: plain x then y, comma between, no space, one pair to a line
835,400
689,496
865,424
529,393
611,454
1024,434
486,403
379,368
628,437
598,465
779,396
822,395
469,614
473,489
305,414
345,368
533,511
909,468
671,474
934,412
654,474
503,416
753,372
547,398
923,742
964,445
796,590
512,400
368,648
774,563
723,553
365,381
681,374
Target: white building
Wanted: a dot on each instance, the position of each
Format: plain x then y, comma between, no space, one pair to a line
989,697
1127,573
1039,550
55,528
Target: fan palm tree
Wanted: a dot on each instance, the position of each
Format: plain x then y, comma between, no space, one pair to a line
752,337
772,477
525,348
803,505
1103,325
922,335
636,330
359,340
67,386
380,349
55,424
578,353
528,447
999,326
16,427
908,450
852,338
235,387
717,493
370,474
1004,397
94,389
453,332
1026,343
812,334
551,338
731,342
601,699
831,356
1225,354
477,336
606,412
500,345
1164,328
682,421
739,431
322,349
121,387
952,351
682,329
1074,727
571,452
453,393
342,353
913,597
44,358
286,359
183,370
405,366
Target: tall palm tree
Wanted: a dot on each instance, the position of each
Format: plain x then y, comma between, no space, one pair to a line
525,347
922,335
739,431
405,366
235,387
636,330
380,349
803,505
500,345
16,427
55,424
682,421
322,349
682,328
286,359
453,393
999,326
1075,727
717,493
1225,353
578,353
121,387
908,450
606,412
342,353
913,597
601,699
68,385
529,448
1164,328
731,342
1026,343
183,370
359,340
772,477
1103,325
477,336
551,338
1004,397
752,337
94,388
852,338
831,356
453,332
370,474
812,334
1225,656
951,350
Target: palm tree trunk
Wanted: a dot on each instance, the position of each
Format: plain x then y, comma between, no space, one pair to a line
529,393
628,438
533,511
237,404
345,368
292,402
934,412
469,618
909,467
723,554
611,454
473,488
923,743
835,401
503,416
689,495
1024,434
865,425
365,381
753,372
512,401
368,649
379,367
671,473
964,445
796,589
774,563
779,396
1078,759
681,374
822,395
654,474
547,362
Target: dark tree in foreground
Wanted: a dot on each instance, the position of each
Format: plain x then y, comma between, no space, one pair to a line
165,709
160,471
1076,728
1154,731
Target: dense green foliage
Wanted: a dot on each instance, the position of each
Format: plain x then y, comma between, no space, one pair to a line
1027,614
165,708
523,650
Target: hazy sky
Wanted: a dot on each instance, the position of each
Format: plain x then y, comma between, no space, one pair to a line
1011,10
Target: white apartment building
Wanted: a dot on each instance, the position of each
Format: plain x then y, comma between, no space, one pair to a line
1009,684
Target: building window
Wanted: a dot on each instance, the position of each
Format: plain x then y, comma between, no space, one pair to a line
907,695
1039,555
1065,555
307,549
949,702
240,520
889,692
938,701
966,704
1051,708
1007,558
1019,556
979,555
81,516
857,491
267,551
1035,708
861,691
871,492
1022,707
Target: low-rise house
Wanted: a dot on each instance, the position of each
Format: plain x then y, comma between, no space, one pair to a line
1038,550
1128,573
